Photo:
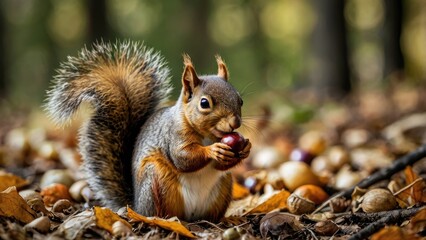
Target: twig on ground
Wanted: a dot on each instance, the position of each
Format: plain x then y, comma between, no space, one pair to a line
372,217
389,217
312,233
207,222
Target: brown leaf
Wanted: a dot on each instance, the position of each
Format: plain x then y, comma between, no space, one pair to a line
163,223
8,180
418,222
239,192
75,226
412,193
277,201
417,189
239,207
105,217
393,233
13,205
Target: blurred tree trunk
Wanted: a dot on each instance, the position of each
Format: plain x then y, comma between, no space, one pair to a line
394,62
199,45
329,70
49,44
260,48
3,90
98,24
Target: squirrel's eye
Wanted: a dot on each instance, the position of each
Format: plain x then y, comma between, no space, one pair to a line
204,103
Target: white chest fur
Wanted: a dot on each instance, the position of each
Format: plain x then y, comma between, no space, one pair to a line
199,191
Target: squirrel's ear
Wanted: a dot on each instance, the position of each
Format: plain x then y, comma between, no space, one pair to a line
190,79
222,70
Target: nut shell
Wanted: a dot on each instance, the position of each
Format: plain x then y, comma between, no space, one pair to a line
321,166
268,158
76,188
326,228
41,224
346,178
378,200
63,206
29,194
231,234
312,192
296,174
121,229
337,157
61,176
299,205
313,142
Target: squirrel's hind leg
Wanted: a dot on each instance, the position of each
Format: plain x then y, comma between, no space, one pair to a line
158,192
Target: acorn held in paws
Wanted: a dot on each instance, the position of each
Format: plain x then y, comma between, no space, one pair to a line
235,140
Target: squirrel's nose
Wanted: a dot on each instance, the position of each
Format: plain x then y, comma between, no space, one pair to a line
235,122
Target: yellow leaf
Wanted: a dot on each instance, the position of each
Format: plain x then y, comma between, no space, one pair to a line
9,180
13,205
277,201
105,217
163,223
239,192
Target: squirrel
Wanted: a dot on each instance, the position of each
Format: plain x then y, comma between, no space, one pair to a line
162,160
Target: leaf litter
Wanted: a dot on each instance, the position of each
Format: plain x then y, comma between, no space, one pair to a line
339,156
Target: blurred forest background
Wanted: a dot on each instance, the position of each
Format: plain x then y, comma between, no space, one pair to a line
273,48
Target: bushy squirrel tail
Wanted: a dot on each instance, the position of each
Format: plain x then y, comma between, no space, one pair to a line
125,83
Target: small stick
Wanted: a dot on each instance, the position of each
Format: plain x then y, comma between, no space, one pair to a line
207,222
372,217
312,233
388,218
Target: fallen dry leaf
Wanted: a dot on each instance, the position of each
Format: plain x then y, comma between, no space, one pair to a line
8,180
417,189
105,217
13,205
413,192
239,192
393,233
75,226
54,192
418,222
239,207
277,201
163,223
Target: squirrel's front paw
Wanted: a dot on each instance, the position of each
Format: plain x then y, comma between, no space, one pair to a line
225,158
222,153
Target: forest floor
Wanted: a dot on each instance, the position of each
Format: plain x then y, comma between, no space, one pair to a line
353,169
